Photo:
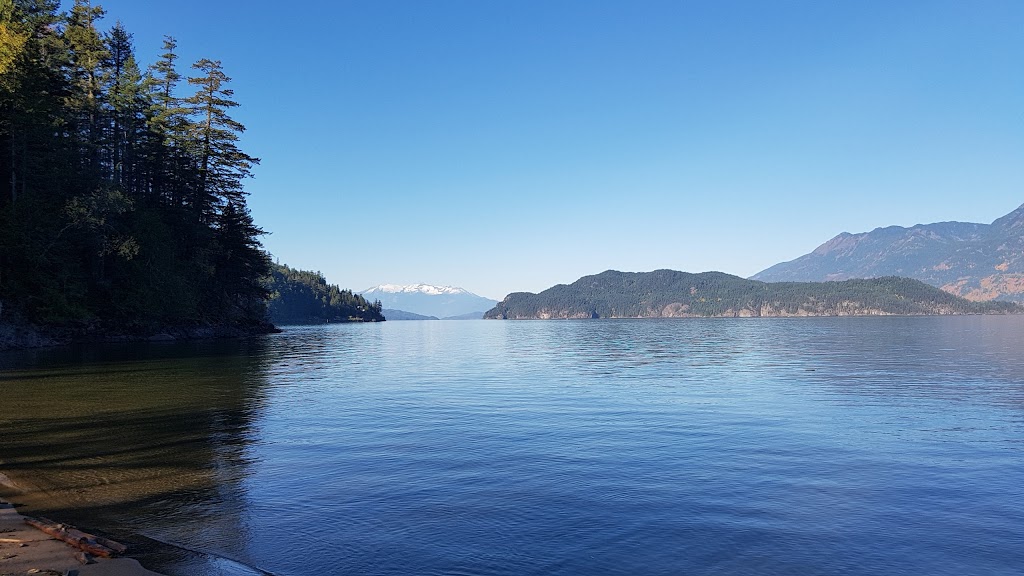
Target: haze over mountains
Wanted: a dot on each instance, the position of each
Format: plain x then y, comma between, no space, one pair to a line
976,261
429,300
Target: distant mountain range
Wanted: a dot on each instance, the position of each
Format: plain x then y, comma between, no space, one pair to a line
976,261
468,316
392,314
668,293
429,300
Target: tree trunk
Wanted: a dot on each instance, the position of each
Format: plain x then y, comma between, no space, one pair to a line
14,172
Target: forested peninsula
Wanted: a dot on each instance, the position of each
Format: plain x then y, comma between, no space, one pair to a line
672,294
122,206
303,297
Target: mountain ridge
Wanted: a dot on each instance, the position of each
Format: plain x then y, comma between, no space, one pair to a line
431,289
976,261
675,294
399,315
428,299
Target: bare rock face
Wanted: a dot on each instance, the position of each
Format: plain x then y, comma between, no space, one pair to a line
975,261
675,310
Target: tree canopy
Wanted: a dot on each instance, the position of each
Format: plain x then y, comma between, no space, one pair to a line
123,196
304,297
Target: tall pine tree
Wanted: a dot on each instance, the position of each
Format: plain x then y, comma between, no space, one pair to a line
88,75
122,202
168,128
127,104
222,165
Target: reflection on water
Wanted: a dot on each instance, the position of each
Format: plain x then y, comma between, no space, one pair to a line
100,434
810,446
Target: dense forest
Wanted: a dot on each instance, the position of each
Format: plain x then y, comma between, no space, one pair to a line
301,297
668,293
122,200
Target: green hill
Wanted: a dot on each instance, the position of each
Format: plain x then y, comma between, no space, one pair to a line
304,297
670,294
392,314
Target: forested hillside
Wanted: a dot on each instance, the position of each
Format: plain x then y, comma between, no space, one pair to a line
668,293
122,198
303,297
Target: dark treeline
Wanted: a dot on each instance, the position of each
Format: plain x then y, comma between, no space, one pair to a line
122,196
302,297
668,293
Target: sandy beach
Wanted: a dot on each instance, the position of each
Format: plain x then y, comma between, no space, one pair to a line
25,550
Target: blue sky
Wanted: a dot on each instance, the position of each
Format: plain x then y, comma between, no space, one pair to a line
505,146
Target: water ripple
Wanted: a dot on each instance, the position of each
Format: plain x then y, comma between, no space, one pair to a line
701,447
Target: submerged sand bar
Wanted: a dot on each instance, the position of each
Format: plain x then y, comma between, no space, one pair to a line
23,548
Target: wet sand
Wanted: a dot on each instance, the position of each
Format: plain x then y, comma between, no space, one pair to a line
24,549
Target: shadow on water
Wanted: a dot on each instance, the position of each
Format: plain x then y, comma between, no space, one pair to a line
724,446
136,441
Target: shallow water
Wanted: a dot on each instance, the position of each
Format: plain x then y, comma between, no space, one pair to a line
760,446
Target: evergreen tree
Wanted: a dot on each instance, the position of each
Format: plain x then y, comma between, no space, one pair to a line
127,107
38,163
240,265
122,201
222,165
88,75
32,92
12,40
167,128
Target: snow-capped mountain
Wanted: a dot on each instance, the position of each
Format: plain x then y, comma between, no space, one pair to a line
422,288
429,300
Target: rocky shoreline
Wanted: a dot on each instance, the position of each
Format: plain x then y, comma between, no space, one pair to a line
17,336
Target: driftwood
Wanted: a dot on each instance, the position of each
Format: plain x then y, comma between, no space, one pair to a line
115,546
95,545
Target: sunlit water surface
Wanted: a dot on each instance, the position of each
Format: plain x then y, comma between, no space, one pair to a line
761,446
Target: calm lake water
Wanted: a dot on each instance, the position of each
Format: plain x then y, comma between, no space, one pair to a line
854,446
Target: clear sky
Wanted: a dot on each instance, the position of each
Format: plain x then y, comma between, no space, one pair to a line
511,145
